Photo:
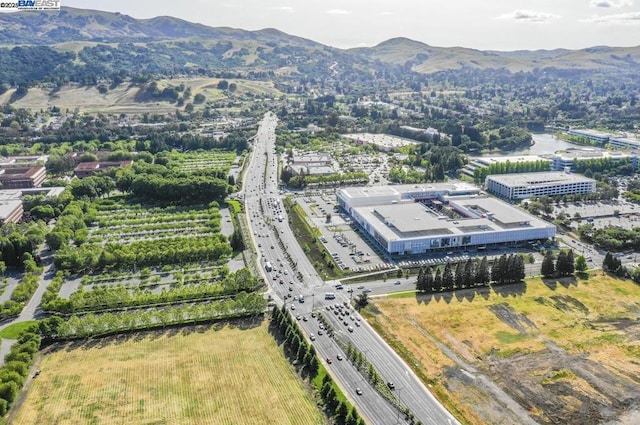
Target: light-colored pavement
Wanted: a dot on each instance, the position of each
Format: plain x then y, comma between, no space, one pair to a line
263,205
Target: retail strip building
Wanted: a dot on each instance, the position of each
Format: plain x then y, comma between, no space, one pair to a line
418,219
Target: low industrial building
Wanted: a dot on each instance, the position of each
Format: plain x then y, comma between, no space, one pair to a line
565,160
22,177
487,161
418,219
522,186
11,208
87,169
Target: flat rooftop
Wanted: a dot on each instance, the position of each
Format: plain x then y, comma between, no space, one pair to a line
400,189
587,153
413,220
552,177
503,159
17,194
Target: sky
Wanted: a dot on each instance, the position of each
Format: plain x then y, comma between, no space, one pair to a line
479,24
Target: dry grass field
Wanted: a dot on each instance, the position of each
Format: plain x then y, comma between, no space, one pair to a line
122,99
565,352
206,376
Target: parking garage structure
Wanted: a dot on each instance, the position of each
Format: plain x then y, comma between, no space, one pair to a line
415,219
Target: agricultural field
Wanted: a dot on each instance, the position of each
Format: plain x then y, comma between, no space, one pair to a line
191,161
132,235
549,352
222,374
126,223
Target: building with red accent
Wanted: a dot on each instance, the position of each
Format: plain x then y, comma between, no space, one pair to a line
87,169
22,177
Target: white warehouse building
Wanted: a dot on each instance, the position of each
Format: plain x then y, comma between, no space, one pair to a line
410,219
522,186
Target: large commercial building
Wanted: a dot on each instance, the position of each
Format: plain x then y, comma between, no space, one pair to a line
522,186
416,219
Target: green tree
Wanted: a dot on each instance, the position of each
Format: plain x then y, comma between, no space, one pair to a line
581,264
548,268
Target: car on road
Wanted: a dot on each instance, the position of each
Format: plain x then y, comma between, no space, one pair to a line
339,357
298,317
293,307
391,386
313,314
397,282
312,337
358,391
350,329
319,332
304,318
361,287
329,360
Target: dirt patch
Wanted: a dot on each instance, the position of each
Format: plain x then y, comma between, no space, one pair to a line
561,354
509,316
560,388
566,302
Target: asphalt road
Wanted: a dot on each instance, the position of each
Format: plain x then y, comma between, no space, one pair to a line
274,240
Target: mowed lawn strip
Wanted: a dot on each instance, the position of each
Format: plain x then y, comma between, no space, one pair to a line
226,376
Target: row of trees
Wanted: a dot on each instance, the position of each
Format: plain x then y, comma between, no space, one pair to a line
90,325
23,292
303,354
612,264
143,253
119,297
469,274
562,265
15,369
508,167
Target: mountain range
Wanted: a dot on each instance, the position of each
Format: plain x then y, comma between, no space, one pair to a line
72,29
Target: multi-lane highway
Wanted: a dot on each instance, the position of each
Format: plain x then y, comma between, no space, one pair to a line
293,275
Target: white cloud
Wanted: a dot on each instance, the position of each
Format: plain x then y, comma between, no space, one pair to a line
611,3
338,12
620,18
287,9
529,16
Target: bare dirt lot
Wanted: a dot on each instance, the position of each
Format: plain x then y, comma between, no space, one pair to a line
552,352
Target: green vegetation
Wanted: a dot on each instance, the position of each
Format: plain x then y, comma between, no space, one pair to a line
308,239
287,332
481,173
15,330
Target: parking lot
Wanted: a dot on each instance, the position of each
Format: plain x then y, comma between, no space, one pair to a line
343,243
601,214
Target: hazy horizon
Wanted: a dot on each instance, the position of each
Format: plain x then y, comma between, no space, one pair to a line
489,25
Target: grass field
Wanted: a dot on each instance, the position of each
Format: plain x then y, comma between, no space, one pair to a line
122,98
225,376
551,346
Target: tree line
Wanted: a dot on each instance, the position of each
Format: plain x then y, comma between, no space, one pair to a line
303,354
104,298
469,274
91,325
508,167
15,370
561,265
